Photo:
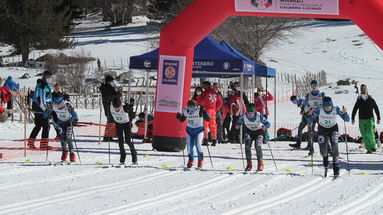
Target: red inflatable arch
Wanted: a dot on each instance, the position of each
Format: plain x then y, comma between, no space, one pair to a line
177,41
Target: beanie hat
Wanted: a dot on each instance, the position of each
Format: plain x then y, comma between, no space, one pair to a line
314,83
108,79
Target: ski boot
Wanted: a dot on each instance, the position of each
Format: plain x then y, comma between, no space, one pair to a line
190,163
135,163
31,144
200,163
205,142
336,171
64,155
296,145
72,157
214,142
260,165
249,166
325,165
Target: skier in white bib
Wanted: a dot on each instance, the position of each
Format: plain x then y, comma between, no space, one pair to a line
123,116
328,131
63,117
255,125
311,103
195,116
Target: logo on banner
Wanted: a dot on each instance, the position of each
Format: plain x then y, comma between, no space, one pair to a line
170,72
226,65
262,4
147,63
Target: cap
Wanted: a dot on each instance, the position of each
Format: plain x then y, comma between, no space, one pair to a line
314,83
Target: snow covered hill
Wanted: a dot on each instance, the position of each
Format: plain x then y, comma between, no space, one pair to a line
159,184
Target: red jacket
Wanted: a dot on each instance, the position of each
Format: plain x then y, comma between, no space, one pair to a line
234,102
210,99
198,99
5,94
2,110
225,110
260,102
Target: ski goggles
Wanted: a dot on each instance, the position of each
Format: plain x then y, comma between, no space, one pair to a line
327,104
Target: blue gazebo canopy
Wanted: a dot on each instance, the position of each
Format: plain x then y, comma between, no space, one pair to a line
259,70
210,60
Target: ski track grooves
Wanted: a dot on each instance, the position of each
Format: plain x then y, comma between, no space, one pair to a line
284,197
55,178
49,200
124,209
360,203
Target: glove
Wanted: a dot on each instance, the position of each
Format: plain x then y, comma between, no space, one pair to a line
74,123
46,114
178,116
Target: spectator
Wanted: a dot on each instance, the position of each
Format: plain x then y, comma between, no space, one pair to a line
197,95
108,94
12,86
260,99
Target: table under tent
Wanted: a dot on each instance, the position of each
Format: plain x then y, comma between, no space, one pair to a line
211,60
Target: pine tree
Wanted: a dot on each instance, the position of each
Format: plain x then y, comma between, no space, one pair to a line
34,24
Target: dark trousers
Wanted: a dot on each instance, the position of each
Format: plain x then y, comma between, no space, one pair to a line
328,144
226,127
218,120
40,122
109,128
256,137
124,130
234,133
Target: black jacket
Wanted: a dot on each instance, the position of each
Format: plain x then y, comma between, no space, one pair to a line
365,108
108,93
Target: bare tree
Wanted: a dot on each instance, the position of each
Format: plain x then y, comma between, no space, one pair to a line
71,71
118,12
252,35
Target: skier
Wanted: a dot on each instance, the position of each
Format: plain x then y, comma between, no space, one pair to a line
299,102
55,94
313,100
42,107
195,116
108,94
212,103
328,131
366,104
63,113
123,116
255,125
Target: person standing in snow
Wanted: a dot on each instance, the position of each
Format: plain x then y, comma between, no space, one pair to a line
12,86
328,131
255,125
366,105
219,119
195,116
299,102
108,94
260,99
42,107
211,102
64,117
312,102
123,116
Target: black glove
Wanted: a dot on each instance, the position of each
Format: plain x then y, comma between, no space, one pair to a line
178,116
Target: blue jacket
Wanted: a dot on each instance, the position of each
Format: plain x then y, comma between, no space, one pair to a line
10,84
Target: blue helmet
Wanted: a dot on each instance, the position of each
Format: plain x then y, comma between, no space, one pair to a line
314,83
58,100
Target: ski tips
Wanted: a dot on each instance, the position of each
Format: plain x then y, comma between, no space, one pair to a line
288,170
230,168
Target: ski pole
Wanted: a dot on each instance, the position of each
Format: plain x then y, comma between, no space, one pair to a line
75,142
272,156
312,125
345,140
211,161
240,142
182,142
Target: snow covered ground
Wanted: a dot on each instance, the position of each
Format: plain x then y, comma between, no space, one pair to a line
40,187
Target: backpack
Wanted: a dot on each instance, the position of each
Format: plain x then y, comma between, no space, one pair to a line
6,94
